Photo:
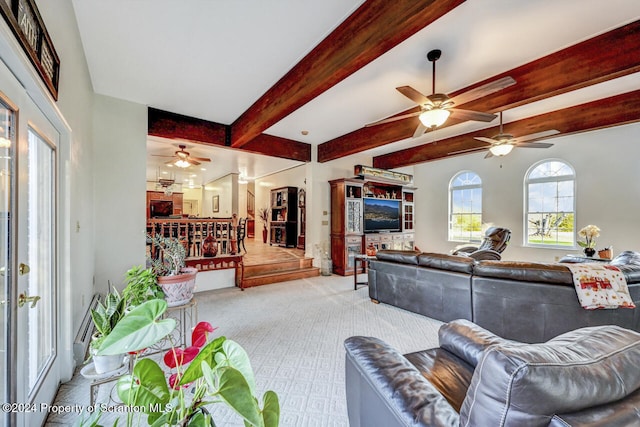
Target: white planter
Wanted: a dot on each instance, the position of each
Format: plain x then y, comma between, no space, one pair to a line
178,290
104,364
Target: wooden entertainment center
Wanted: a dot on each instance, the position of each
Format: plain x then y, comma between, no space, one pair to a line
353,227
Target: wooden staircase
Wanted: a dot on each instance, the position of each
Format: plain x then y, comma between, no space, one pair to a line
279,271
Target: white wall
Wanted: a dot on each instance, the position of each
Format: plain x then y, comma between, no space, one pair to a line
120,135
607,191
226,188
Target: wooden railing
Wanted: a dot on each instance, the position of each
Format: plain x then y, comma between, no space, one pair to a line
192,233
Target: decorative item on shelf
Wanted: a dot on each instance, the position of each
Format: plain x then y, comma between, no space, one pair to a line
263,214
590,232
606,253
176,280
371,250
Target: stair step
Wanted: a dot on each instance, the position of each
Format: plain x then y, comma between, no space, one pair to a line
273,267
280,276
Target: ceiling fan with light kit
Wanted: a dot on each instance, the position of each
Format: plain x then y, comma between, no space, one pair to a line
436,108
502,143
183,159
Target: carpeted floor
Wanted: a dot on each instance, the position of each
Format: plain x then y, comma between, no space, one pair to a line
294,333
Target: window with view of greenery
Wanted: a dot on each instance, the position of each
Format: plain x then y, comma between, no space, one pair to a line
465,207
550,204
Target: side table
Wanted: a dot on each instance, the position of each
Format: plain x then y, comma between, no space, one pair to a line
363,259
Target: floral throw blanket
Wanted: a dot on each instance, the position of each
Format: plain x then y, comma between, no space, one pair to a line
600,286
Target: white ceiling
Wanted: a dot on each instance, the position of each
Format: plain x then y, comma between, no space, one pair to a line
213,59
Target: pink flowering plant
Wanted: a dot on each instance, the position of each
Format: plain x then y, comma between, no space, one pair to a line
206,372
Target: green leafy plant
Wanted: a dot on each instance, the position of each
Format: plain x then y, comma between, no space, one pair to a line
106,316
142,285
204,373
171,255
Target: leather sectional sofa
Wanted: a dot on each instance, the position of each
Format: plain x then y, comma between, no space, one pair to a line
524,301
587,377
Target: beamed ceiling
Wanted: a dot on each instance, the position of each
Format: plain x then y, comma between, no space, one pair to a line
251,77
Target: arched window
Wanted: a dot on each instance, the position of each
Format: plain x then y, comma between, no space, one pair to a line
550,204
465,207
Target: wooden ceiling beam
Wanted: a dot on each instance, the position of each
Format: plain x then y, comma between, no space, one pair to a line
373,29
177,126
603,113
601,58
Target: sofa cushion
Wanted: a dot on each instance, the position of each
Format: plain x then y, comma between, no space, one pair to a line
524,271
460,264
403,257
629,263
527,384
467,340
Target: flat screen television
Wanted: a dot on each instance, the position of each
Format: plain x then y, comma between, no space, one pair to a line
160,208
381,215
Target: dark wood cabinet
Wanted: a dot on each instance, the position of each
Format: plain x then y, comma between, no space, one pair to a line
346,224
283,226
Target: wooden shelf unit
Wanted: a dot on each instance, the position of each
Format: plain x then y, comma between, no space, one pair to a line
283,226
348,238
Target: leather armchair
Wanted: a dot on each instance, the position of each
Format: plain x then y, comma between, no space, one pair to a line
493,244
586,377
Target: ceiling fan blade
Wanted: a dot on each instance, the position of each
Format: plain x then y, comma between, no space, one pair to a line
483,139
537,135
483,90
192,161
472,115
201,159
534,145
413,95
394,118
420,130
489,154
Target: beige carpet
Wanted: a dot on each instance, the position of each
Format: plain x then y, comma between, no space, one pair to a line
294,334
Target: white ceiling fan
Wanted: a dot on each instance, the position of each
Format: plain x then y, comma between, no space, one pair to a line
502,143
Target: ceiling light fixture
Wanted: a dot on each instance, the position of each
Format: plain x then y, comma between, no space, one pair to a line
501,150
4,142
182,163
434,117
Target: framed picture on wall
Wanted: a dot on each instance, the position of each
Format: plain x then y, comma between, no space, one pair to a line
216,203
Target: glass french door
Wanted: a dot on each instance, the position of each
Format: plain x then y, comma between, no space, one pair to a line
28,281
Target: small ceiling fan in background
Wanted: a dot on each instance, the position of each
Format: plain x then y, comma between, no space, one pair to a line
502,143
182,159
436,108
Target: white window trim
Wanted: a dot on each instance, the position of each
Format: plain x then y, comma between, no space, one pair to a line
450,206
525,225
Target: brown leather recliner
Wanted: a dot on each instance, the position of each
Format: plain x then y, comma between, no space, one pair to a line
494,243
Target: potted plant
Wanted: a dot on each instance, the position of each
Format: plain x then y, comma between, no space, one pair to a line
176,280
205,373
263,214
141,286
105,317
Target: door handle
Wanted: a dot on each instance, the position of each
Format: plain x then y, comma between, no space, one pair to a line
23,269
23,299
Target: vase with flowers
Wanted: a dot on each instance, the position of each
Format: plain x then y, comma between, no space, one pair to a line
589,233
